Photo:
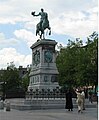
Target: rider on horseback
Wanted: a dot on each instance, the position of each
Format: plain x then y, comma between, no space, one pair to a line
43,15
43,24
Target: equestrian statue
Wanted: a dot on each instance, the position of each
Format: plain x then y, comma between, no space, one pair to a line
43,24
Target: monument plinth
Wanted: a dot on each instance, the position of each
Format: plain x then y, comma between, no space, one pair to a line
44,72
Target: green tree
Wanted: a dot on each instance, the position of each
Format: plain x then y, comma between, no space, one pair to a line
67,61
92,51
11,77
77,64
25,81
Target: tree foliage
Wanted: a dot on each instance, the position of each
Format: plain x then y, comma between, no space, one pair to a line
11,78
77,64
25,81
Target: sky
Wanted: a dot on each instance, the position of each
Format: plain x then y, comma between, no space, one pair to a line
69,19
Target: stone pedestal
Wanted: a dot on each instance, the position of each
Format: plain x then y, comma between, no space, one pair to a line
44,72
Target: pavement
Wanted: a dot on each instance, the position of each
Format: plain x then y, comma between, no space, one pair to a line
50,114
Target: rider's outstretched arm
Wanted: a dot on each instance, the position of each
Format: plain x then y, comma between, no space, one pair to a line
33,13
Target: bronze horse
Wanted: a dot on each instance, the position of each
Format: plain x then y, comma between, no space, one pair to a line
40,28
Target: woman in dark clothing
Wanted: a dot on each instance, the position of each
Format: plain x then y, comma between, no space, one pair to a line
69,104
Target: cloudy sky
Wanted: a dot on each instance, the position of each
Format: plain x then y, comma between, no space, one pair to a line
69,19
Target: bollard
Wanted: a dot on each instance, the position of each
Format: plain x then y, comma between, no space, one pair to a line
8,106
1,105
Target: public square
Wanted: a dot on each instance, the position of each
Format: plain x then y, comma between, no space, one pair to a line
50,114
49,60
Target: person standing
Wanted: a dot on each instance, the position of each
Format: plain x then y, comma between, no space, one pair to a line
90,96
83,97
79,100
69,103
86,92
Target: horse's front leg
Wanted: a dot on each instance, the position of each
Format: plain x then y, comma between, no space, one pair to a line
42,36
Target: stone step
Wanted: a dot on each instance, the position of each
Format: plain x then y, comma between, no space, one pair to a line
46,100
44,106
22,104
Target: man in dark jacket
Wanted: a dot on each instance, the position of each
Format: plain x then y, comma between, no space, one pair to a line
69,103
